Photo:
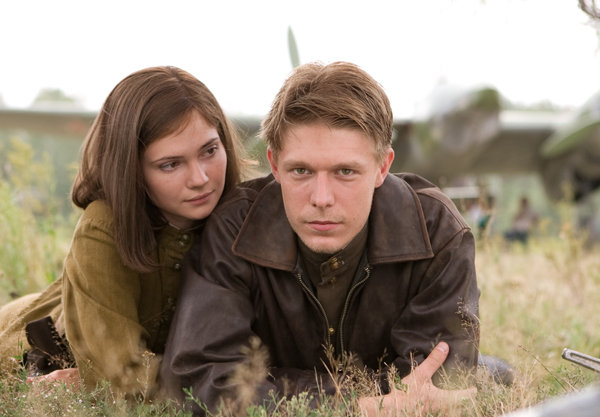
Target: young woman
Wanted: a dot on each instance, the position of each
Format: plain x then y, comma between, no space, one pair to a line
155,163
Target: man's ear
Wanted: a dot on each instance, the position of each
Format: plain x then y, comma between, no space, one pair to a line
384,167
273,163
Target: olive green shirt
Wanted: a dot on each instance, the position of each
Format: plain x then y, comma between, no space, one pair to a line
115,319
332,275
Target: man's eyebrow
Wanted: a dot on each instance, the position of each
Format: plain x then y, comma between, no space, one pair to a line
295,163
347,165
353,164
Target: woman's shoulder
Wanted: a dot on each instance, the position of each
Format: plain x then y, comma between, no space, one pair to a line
95,228
97,213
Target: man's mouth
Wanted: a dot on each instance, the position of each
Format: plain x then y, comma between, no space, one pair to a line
323,225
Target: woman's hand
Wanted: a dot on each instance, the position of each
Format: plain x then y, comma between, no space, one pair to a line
68,376
419,390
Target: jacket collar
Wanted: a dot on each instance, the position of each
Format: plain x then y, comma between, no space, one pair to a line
397,228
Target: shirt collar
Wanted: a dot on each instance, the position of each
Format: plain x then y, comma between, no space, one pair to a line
328,266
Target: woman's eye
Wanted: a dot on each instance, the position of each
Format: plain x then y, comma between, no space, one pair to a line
169,166
211,151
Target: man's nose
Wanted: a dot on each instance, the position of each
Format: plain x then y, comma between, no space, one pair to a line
322,193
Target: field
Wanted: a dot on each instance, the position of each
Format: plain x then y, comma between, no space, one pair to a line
535,301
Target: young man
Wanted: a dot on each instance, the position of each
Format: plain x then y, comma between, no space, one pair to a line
330,253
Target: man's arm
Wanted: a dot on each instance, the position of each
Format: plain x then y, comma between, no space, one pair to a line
204,366
444,307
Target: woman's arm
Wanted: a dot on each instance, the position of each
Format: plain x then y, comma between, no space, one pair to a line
101,298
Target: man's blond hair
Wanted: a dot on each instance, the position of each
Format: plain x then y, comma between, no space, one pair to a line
340,95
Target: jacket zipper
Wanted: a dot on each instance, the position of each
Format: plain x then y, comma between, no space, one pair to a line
345,310
316,300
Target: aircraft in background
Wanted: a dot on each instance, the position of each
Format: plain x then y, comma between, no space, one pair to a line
466,132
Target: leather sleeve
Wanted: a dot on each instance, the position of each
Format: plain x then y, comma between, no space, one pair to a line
444,308
202,355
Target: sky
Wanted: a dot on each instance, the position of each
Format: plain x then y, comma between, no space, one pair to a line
530,50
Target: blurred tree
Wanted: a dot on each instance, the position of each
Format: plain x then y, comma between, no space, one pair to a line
55,98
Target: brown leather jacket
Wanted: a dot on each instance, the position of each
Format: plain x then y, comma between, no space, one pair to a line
416,286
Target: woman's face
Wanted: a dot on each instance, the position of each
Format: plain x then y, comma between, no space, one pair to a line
185,172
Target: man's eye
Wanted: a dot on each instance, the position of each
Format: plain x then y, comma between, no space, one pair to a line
300,171
346,171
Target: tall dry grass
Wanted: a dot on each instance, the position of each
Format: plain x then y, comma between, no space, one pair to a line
34,234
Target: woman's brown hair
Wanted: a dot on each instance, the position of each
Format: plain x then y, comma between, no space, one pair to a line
145,106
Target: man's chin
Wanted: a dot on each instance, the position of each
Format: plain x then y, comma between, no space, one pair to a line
321,246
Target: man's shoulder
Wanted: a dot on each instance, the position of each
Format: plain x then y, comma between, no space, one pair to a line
432,199
251,224
238,201
415,181
255,184
421,185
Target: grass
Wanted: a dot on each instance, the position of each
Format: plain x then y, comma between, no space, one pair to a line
35,235
535,301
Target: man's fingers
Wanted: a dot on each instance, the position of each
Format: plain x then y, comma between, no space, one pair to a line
431,364
444,398
461,394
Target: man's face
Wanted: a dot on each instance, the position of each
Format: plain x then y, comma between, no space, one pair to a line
328,176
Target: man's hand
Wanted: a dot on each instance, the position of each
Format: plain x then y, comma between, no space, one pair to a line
67,376
420,391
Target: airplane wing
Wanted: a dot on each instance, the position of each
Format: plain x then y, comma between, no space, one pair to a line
515,147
